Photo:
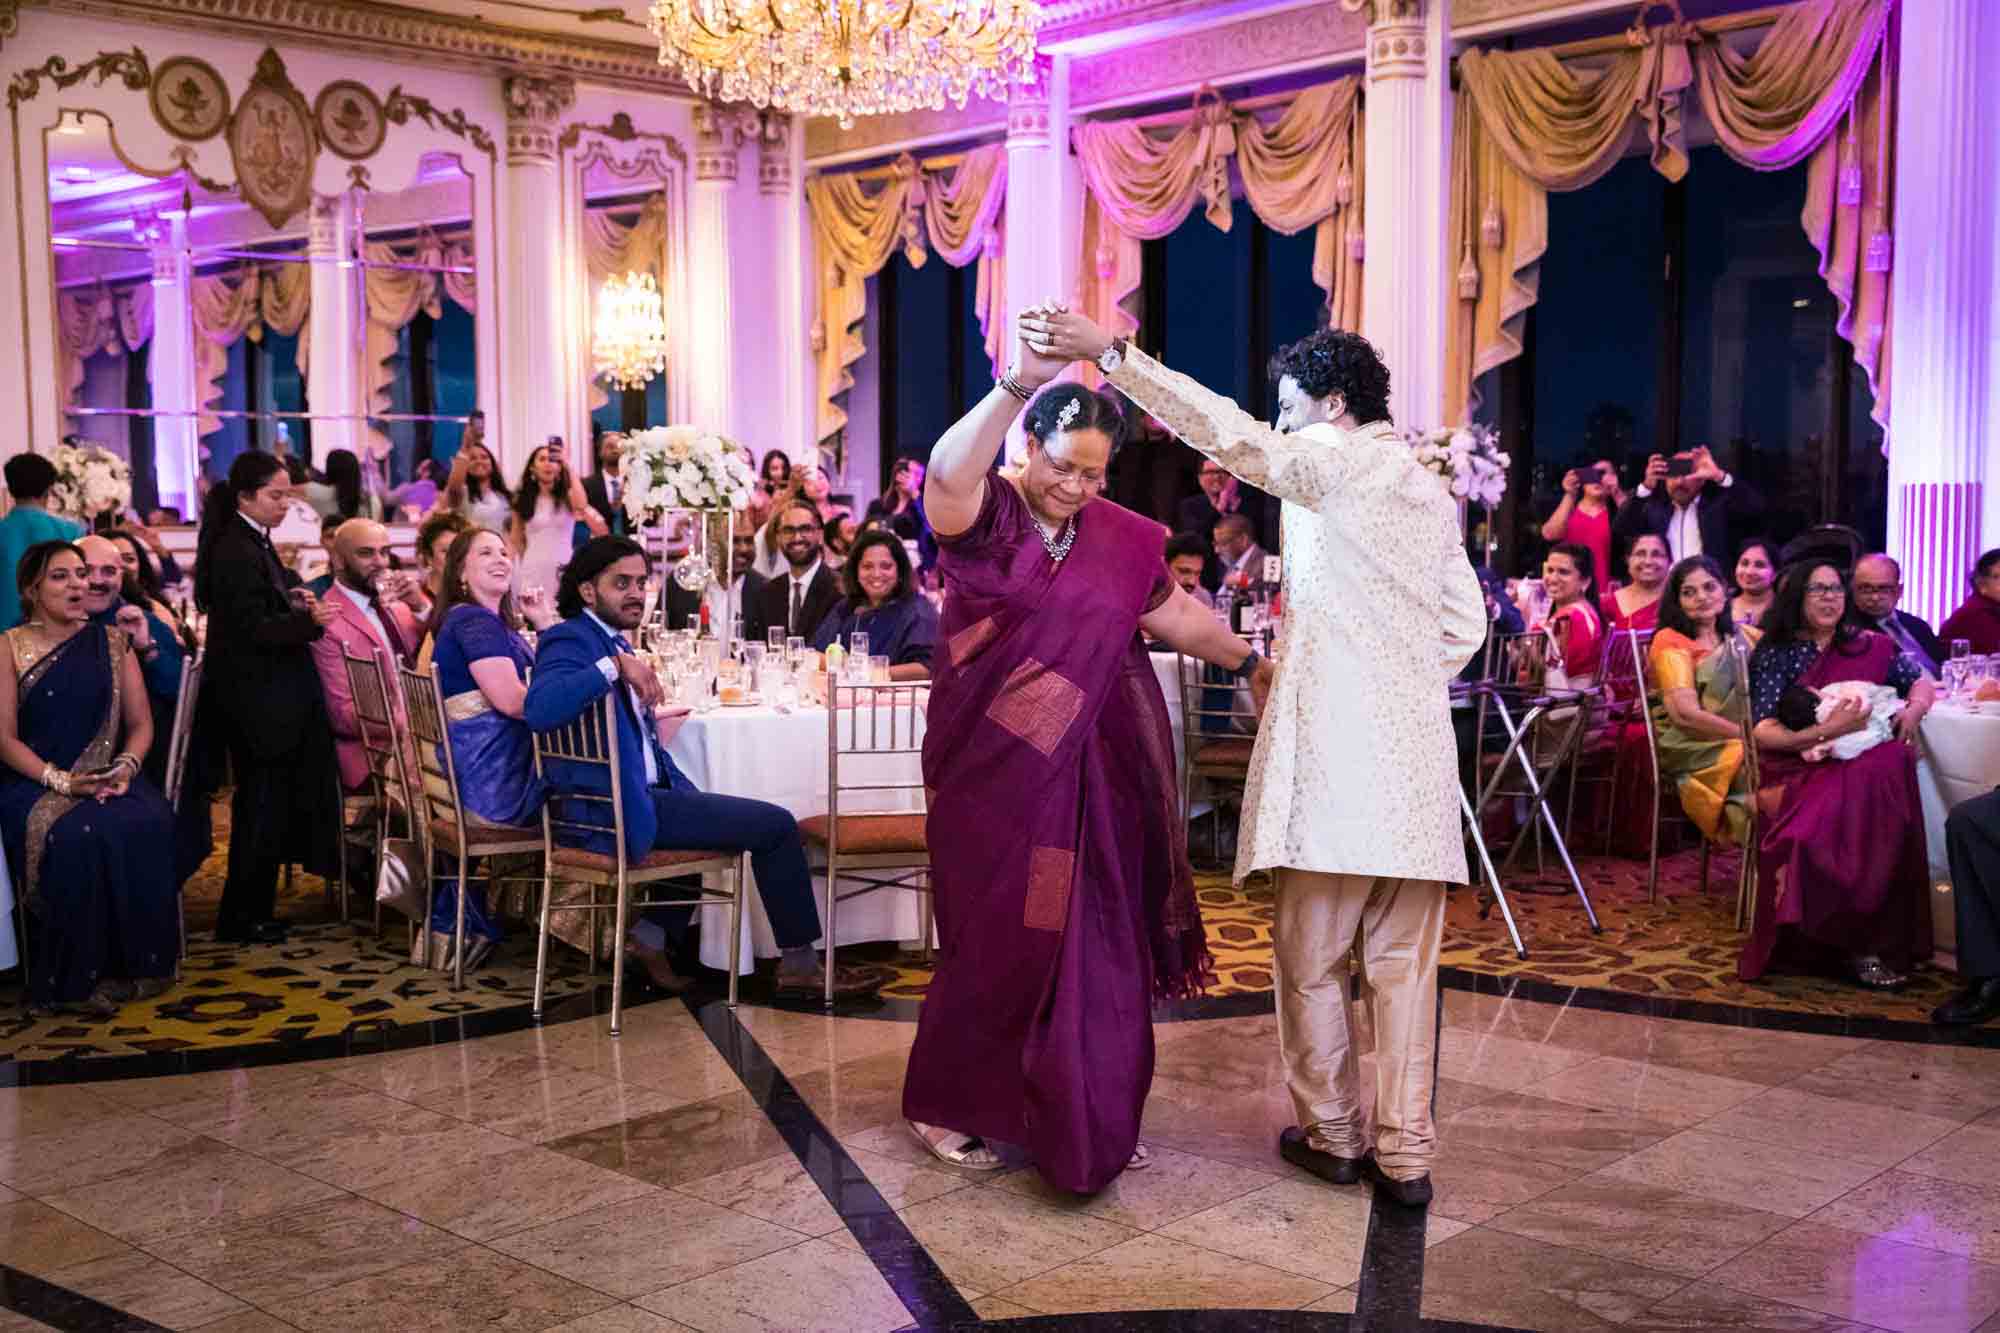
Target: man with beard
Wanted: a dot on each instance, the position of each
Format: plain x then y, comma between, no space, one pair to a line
373,622
799,598
602,598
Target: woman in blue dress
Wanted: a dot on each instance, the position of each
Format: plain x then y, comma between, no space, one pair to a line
481,663
90,842
882,602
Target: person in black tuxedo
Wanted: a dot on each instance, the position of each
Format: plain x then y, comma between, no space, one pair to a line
601,488
744,597
800,597
261,691
1972,840
1878,587
1702,511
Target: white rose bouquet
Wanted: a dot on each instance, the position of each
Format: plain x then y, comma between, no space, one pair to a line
681,467
90,480
1467,459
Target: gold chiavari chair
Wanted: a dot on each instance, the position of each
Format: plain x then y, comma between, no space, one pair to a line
388,773
1218,732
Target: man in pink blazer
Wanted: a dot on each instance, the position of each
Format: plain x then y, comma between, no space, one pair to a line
373,619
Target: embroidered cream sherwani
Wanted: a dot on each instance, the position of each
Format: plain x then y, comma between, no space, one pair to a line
1355,770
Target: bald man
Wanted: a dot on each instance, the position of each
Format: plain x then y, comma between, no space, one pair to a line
370,621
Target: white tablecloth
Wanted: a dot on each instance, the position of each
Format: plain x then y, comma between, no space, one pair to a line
1960,760
782,758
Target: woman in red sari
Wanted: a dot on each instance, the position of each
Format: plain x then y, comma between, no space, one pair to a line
1059,867
1636,606
1841,870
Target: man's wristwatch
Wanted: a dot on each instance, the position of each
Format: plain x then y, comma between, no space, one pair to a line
1112,357
1248,668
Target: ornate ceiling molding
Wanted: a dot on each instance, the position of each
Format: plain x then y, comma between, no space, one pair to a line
1466,13
1286,39
885,134
396,32
1393,11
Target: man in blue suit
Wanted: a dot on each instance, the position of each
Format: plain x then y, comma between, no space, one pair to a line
602,596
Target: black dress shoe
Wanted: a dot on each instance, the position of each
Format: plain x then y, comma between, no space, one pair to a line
1976,1004
1410,1193
1295,1147
262,932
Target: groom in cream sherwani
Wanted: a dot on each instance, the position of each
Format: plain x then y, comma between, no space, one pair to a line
1353,799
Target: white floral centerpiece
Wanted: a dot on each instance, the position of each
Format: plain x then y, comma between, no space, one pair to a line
1468,459
90,480
681,467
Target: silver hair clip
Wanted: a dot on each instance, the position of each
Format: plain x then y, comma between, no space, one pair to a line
1068,414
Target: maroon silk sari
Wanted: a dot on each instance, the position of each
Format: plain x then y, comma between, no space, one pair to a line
1841,864
1058,861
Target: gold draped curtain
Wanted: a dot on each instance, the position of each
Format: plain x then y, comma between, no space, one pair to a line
395,296
858,224
1302,170
612,248
1817,89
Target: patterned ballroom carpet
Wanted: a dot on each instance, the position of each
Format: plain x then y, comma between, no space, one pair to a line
333,978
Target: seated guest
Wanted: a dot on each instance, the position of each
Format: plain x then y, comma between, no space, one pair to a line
1972,840
481,663
1842,870
1977,619
1756,582
168,571
30,477
740,598
1878,587
1574,628
1702,511
882,602
1695,727
89,841
1242,558
1637,604
901,511
323,584
1220,494
366,625
578,662
816,489
434,539
1187,557
144,581
1591,495
799,597
837,538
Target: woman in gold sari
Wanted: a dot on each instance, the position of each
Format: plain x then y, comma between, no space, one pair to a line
1699,697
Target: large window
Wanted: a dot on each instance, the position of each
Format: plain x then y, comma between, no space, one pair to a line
1676,315
934,365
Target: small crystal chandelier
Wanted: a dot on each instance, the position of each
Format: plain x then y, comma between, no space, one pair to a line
628,344
848,58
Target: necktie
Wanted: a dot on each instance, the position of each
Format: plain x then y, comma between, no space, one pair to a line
397,648
798,607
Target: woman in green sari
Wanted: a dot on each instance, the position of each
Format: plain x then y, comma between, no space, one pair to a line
1699,697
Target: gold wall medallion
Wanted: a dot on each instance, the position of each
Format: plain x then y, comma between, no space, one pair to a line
273,144
350,120
189,98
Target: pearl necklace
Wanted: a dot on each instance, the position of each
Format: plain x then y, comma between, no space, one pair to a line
1058,549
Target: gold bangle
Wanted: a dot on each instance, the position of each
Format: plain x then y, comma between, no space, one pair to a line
1015,387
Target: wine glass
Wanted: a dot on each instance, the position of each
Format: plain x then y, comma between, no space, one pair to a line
774,638
795,648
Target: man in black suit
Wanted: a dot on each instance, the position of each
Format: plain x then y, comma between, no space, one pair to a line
746,588
601,488
1972,840
1197,513
799,598
1878,586
262,692
1701,511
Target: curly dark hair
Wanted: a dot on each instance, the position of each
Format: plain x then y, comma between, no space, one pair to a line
34,565
850,572
1673,617
1336,361
586,563
1095,411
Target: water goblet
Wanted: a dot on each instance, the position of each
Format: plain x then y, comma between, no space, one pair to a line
1961,648
857,645
774,638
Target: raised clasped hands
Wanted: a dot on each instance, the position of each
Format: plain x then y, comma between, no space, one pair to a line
1034,368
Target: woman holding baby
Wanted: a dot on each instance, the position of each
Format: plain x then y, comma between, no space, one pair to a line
1842,873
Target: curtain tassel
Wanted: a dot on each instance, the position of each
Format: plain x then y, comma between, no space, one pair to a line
1881,251
1468,277
1343,188
1357,245
1850,167
1491,227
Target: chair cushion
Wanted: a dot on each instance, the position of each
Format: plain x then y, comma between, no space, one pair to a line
576,858
486,835
1234,750
870,835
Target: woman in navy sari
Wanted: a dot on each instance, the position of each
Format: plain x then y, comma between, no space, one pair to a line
90,842
481,663
882,602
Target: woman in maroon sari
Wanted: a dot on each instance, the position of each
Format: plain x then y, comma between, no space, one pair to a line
1065,902
1841,873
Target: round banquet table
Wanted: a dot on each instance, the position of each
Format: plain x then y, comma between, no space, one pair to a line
1960,759
782,758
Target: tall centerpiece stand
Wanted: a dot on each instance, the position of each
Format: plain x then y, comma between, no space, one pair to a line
1467,459
684,473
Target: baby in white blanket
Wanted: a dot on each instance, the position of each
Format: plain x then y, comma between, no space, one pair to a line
1882,702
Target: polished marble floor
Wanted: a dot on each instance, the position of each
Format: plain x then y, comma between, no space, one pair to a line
1598,1171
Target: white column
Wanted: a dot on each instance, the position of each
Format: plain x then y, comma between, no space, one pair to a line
1944,415
1044,192
333,370
718,135
780,176
536,351
1408,147
170,366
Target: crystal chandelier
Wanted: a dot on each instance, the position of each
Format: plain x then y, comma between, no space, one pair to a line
848,58
628,344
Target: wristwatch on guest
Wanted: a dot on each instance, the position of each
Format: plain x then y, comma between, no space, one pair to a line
1248,667
1112,357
